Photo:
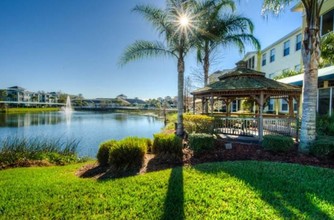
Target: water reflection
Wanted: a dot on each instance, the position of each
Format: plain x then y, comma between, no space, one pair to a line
90,128
29,119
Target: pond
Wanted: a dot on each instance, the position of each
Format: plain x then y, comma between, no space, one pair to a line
90,128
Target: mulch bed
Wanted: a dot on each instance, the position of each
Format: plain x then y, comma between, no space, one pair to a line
239,151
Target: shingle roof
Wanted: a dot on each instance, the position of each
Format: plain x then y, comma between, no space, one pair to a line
243,79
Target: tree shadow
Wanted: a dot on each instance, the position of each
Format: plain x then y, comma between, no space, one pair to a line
174,202
290,190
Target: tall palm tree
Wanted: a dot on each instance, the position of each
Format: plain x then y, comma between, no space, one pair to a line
221,30
311,56
173,25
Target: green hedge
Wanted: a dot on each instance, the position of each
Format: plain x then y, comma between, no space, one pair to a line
277,143
323,147
198,123
325,125
167,144
128,154
104,151
200,142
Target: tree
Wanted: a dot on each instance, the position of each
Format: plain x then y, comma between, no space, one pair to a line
311,56
173,23
287,73
221,30
327,50
3,95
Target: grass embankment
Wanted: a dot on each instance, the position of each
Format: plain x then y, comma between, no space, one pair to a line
228,190
28,110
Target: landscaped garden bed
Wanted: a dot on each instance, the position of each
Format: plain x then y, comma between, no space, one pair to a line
239,151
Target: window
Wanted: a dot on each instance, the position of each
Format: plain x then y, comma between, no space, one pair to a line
284,106
324,101
235,106
264,59
297,67
327,22
298,42
251,63
286,50
271,105
272,55
295,107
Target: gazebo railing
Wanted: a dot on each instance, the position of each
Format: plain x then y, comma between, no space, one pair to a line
249,126
284,126
237,126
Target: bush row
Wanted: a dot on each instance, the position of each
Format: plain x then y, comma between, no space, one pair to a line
200,142
125,154
128,153
323,147
277,143
325,125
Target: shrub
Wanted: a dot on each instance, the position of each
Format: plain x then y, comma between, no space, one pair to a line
198,123
323,147
167,144
200,142
325,125
277,143
128,154
104,152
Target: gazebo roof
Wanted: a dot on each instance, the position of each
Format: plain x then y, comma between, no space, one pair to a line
246,81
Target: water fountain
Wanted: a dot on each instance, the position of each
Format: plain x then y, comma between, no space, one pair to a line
68,106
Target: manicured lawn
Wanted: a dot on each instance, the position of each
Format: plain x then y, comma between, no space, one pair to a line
237,190
29,110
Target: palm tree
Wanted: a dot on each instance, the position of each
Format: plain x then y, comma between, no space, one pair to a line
217,30
173,25
311,56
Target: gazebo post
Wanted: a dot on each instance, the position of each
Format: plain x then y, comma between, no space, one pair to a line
297,119
290,113
211,104
203,104
261,117
194,104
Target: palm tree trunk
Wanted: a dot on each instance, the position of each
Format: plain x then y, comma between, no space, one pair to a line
311,54
206,65
180,85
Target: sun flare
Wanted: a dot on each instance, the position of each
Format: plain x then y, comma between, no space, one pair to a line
184,20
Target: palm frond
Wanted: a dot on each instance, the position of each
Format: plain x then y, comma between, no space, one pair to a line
155,16
274,6
141,49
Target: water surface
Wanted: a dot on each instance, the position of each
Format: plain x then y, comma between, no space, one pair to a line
90,128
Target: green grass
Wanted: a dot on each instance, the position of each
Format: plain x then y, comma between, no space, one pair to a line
228,190
28,110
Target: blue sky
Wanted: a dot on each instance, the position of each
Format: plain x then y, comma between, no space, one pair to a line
74,46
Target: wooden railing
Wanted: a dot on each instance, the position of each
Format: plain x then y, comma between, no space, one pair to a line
237,126
250,126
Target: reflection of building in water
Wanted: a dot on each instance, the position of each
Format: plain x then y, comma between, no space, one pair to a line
24,120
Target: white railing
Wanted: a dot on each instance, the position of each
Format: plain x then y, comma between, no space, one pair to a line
237,126
284,126
250,126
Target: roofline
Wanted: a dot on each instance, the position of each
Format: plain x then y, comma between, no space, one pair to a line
282,38
298,79
298,7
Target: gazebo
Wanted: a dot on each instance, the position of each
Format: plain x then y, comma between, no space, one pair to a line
244,83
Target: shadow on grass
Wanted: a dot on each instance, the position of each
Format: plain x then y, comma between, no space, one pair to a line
174,202
292,190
